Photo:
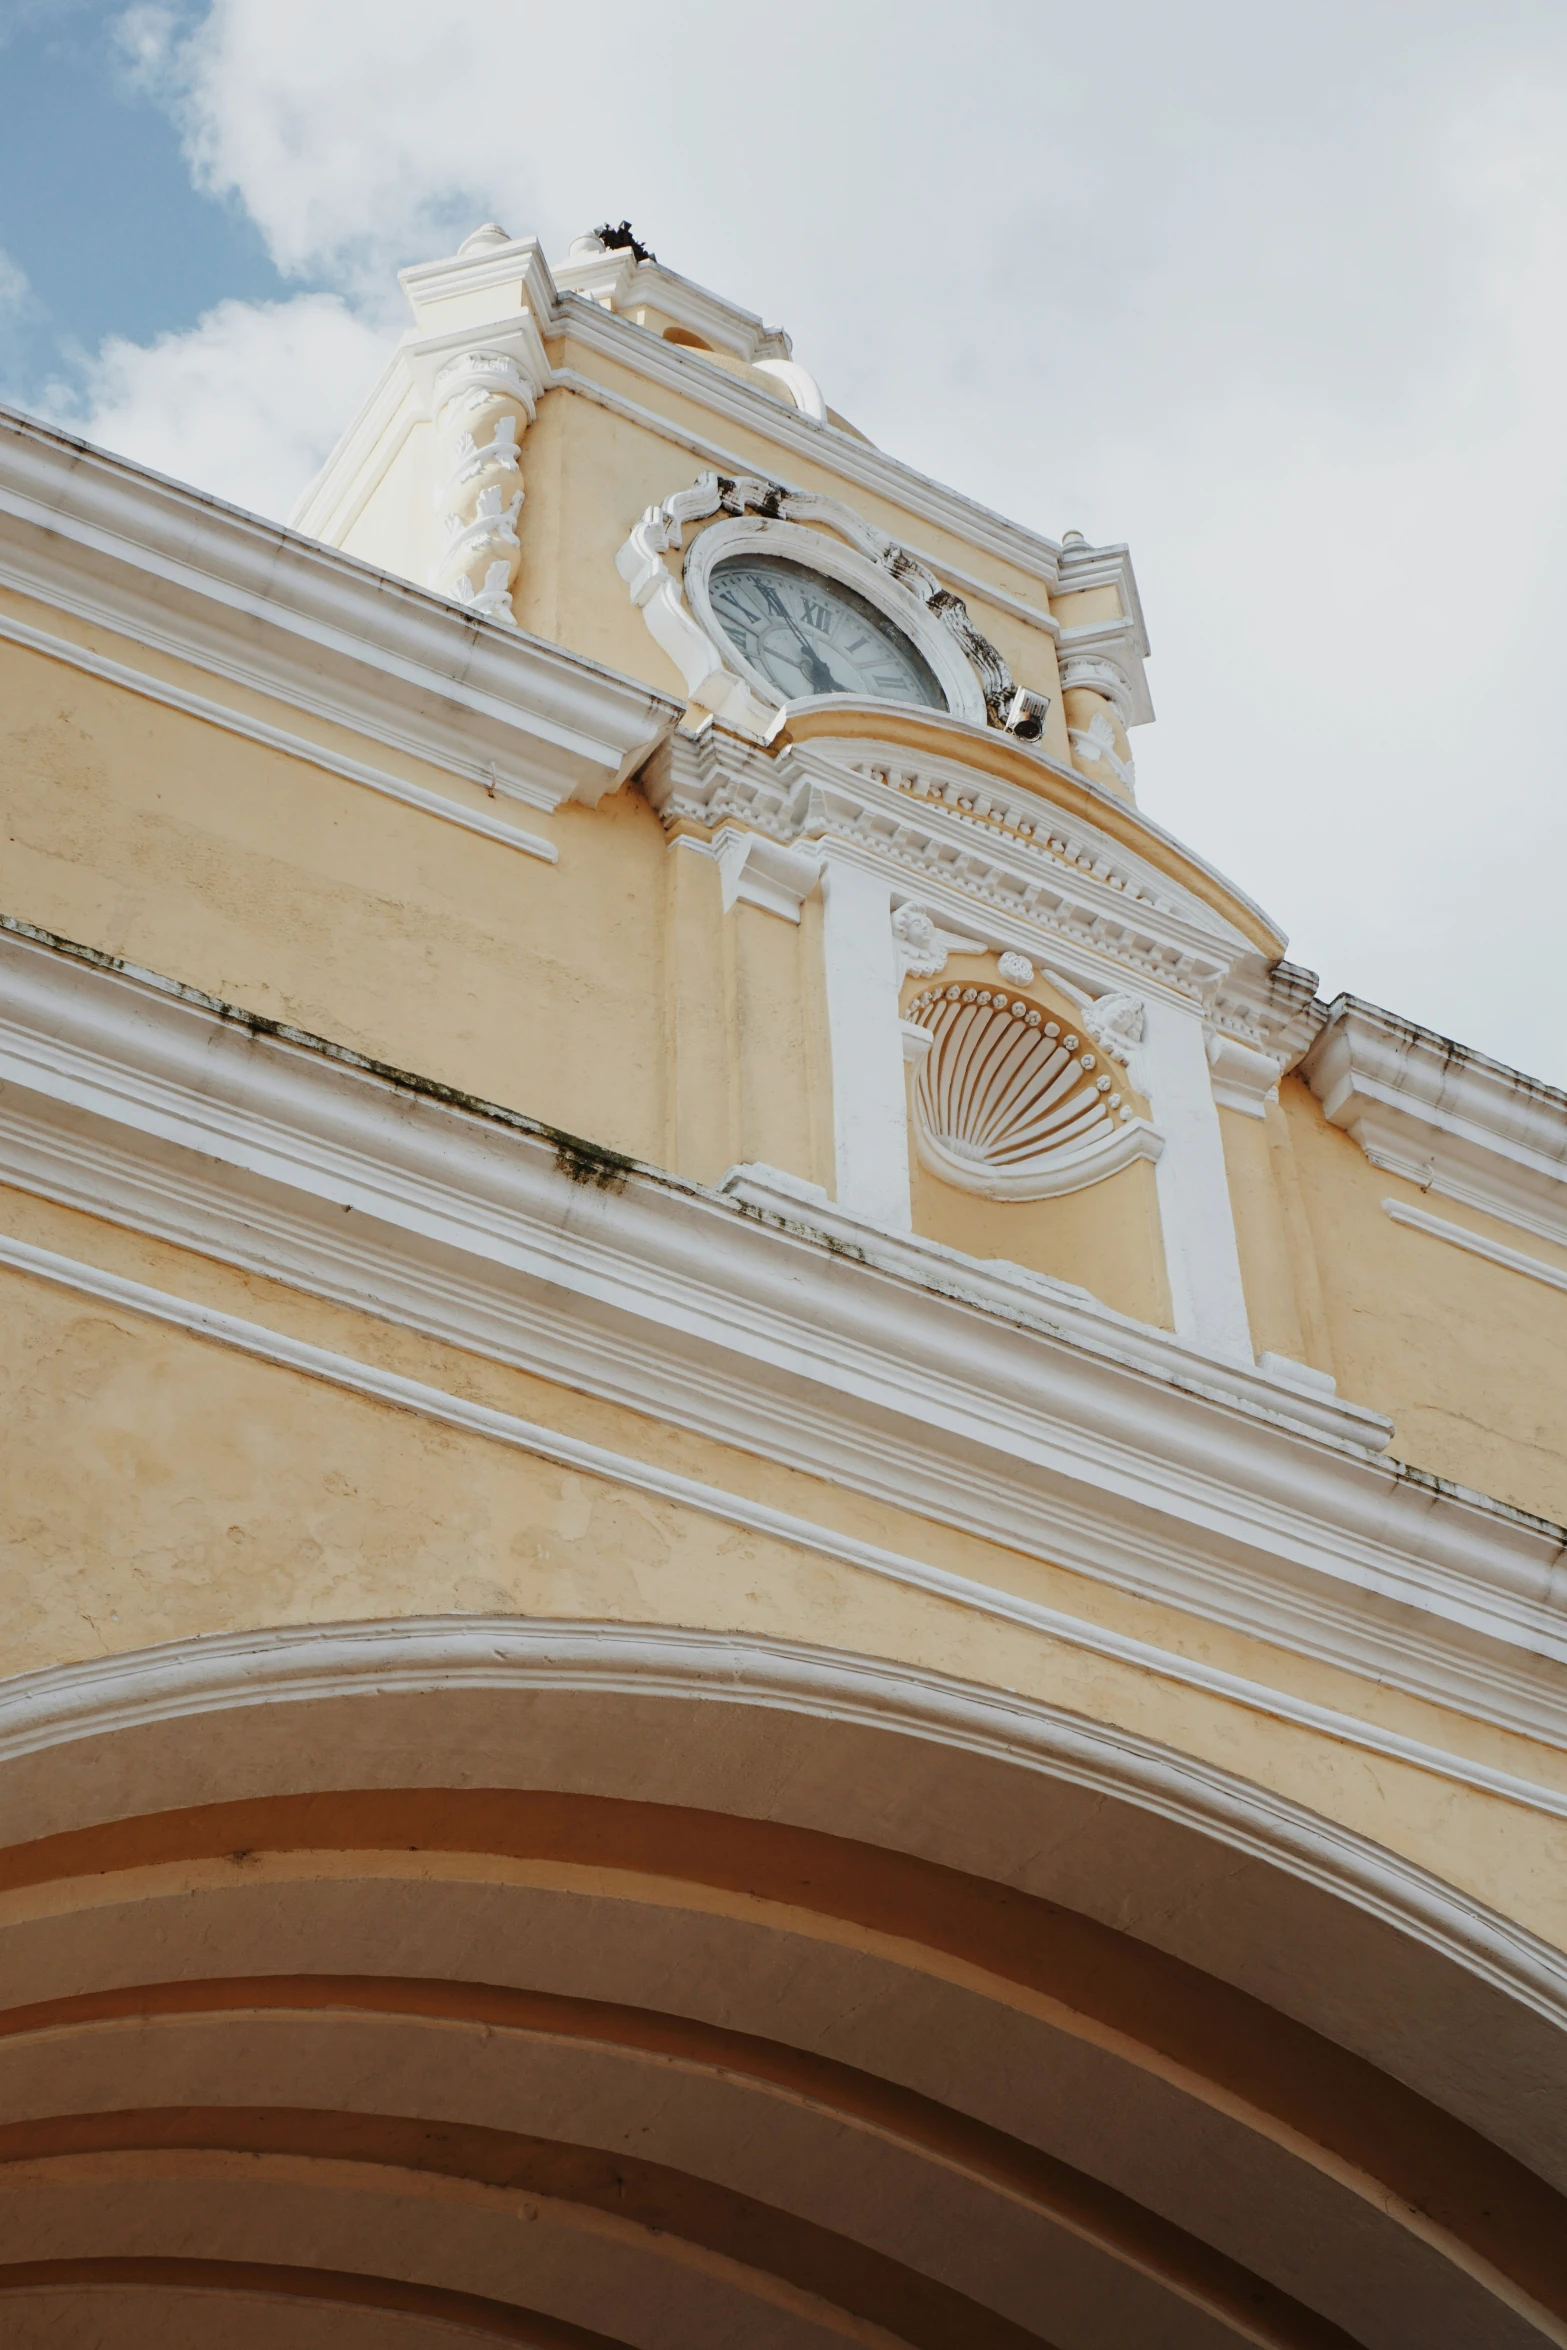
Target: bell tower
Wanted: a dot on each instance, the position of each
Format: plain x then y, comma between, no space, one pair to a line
783,1563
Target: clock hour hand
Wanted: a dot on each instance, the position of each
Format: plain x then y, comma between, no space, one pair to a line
819,677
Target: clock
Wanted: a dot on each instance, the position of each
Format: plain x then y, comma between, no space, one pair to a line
805,635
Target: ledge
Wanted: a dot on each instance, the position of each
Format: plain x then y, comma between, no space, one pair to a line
1012,1407
122,548
1443,1117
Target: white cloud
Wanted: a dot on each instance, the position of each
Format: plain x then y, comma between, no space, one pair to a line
1272,293
14,288
245,405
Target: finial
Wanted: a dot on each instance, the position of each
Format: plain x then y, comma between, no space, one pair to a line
491,233
1073,538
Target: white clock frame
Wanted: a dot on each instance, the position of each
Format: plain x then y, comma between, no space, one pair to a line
850,566
763,516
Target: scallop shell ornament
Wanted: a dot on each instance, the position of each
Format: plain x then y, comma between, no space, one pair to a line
1008,1106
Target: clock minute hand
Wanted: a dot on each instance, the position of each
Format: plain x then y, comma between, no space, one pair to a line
816,669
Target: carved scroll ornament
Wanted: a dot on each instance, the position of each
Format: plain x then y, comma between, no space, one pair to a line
709,678
483,404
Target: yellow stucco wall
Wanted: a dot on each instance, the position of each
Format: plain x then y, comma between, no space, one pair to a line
609,995
589,475
605,994
1468,1358
177,1488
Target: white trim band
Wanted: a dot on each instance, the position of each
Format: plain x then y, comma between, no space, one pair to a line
1492,1250
434,1403
293,746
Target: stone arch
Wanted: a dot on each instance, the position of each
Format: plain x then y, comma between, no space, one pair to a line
768,1988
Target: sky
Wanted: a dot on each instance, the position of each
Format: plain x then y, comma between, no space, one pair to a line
1275,293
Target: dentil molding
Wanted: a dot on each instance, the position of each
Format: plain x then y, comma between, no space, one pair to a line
983,860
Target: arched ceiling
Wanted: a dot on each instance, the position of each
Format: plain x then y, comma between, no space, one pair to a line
571,1985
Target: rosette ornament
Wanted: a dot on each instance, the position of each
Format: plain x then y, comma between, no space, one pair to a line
1007,1105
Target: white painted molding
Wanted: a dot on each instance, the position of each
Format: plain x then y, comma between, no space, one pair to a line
1271,1008
1459,1236
247,601
512,271
922,946
710,680
855,462
615,279
1243,1078
1106,658
332,1369
1447,1119
760,872
1094,744
729,461
1201,1255
294,746
983,1396
1052,888
479,492
518,273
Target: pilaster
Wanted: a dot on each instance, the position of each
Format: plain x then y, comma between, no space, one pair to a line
869,1090
1201,1256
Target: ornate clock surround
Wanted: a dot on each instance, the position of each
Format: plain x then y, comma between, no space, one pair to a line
834,559
759,516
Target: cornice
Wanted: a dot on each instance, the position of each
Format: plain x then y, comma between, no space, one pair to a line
1036,882
1107,656
1448,1119
1081,566
617,280
972,1393
275,738
566,318
822,443
511,266
941,745
183,574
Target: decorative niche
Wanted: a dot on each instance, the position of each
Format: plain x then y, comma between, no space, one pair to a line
1012,1103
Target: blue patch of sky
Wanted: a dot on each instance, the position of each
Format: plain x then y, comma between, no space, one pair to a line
97,206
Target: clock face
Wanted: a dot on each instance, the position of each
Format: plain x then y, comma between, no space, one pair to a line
809,635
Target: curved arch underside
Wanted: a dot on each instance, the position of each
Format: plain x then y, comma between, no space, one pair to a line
586,1987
